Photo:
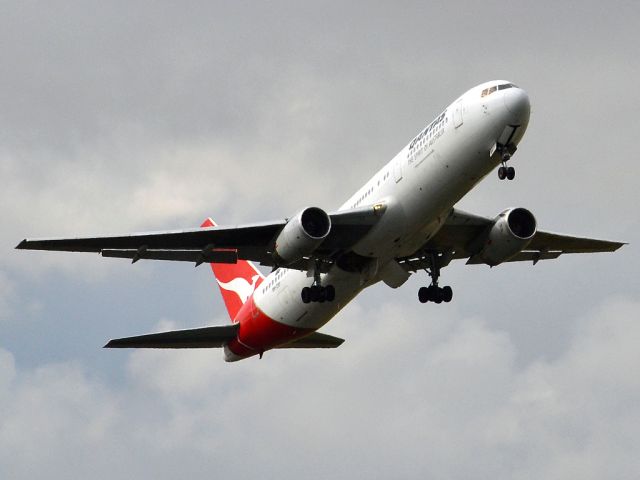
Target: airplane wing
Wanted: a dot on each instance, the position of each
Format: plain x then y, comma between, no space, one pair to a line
463,233
212,337
220,244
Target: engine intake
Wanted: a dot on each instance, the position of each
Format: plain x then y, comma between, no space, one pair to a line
302,234
511,232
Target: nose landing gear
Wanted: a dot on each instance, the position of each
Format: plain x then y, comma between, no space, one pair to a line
503,171
506,172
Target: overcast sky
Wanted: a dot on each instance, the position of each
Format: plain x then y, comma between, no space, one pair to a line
132,116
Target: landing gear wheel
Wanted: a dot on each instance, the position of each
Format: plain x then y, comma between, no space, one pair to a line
305,294
318,293
315,293
502,173
330,292
322,295
447,294
437,295
511,173
423,294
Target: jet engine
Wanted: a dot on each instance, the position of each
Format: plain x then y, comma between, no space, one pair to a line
302,235
511,232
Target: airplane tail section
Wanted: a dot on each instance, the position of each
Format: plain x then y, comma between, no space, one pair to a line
237,281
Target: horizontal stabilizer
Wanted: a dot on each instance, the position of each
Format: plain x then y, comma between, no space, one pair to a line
206,337
315,340
212,337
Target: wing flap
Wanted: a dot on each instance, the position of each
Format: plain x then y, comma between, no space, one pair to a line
525,256
206,337
229,256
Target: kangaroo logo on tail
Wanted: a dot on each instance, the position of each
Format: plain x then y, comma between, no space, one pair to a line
240,287
240,278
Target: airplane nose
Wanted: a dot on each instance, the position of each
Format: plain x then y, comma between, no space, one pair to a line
517,103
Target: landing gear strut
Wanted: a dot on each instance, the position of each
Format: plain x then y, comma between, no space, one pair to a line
503,171
316,292
435,293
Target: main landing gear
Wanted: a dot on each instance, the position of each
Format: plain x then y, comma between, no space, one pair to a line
435,293
503,171
316,292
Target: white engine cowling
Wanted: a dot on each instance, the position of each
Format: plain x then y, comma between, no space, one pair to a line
302,235
511,232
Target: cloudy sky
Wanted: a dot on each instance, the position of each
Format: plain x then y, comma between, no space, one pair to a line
132,116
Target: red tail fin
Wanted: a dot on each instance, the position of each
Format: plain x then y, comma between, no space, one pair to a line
237,281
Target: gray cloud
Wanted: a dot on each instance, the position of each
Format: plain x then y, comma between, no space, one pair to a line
446,399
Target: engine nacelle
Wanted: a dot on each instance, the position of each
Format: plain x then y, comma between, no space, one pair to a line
511,232
302,235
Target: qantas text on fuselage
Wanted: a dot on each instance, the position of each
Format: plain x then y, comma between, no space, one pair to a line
403,220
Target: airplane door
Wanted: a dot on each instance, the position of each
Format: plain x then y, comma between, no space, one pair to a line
457,114
397,169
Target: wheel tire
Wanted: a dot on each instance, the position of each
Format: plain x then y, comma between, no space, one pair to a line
423,294
447,294
305,294
431,293
437,295
322,295
511,173
314,293
502,174
331,293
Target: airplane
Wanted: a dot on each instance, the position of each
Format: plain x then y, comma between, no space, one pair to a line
401,221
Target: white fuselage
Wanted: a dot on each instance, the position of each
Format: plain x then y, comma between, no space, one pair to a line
418,187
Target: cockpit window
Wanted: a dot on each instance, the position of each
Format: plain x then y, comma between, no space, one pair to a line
490,90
